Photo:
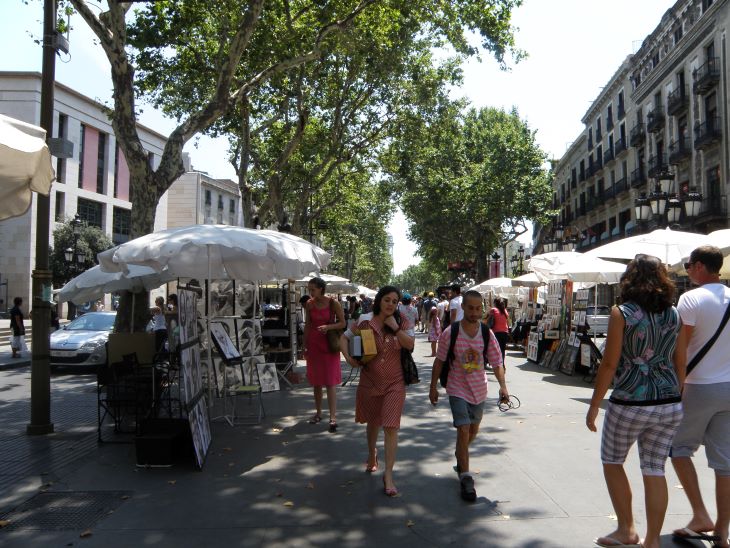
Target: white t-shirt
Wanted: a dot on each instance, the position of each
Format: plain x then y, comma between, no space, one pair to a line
410,313
455,304
703,308
442,308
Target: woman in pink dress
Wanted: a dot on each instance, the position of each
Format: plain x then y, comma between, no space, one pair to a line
323,365
434,330
382,392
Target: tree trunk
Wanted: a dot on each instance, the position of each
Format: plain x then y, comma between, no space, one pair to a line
481,256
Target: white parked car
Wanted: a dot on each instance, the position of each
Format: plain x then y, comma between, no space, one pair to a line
82,342
597,319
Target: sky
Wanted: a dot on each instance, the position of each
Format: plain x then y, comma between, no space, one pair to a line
573,47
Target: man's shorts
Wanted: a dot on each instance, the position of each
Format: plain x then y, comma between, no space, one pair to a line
706,421
464,412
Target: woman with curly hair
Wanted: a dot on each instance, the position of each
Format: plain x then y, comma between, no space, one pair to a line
645,357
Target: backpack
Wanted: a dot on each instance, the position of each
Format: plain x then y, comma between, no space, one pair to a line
444,376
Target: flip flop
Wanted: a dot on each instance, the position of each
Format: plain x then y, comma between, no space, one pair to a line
610,542
688,534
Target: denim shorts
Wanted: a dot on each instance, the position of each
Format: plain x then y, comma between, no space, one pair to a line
464,412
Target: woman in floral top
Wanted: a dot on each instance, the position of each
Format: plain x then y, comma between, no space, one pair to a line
645,357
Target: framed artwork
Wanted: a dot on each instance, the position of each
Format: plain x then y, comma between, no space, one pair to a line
223,341
267,377
222,298
245,300
249,337
251,369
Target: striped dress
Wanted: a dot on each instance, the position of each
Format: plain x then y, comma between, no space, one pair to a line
381,392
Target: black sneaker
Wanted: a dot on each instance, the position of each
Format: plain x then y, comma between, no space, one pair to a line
468,492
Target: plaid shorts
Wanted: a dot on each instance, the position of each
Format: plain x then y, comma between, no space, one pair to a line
653,426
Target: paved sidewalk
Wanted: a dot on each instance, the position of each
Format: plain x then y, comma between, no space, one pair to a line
288,483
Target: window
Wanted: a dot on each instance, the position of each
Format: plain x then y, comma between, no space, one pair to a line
231,206
82,148
678,33
61,162
609,117
621,104
121,225
101,164
91,212
220,202
714,191
60,212
207,197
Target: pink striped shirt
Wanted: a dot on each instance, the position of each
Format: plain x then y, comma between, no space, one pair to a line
467,376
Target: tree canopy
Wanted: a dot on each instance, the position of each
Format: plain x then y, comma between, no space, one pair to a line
469,182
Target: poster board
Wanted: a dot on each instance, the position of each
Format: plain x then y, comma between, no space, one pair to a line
192,377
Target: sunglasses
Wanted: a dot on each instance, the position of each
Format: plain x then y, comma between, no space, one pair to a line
688,264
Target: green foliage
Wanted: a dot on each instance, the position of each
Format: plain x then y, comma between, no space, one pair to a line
90,241
421,277
469,181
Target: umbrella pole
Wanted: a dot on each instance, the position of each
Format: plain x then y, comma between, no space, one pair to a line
595,308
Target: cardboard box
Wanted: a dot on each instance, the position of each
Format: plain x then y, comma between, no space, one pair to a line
362,345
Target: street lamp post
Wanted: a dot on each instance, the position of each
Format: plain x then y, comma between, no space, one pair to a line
495,260
73,255
665,209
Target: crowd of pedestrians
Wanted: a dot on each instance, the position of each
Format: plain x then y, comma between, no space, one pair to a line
669,368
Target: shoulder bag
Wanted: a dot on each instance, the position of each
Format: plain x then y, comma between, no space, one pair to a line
333,335
705,349
410,371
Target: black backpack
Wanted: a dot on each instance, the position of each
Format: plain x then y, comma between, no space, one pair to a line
444,376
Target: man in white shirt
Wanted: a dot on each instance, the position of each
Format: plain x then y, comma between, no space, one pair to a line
457,314
705,397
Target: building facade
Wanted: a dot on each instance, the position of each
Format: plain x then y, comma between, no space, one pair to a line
658,132
94,182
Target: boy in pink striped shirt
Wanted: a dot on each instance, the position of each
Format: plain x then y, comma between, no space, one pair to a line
467,382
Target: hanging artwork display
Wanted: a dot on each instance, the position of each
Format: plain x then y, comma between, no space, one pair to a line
267,377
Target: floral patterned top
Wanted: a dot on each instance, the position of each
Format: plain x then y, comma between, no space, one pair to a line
645,373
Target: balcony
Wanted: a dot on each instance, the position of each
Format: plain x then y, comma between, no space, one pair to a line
707,133
592,203
659,167
608,194
707,76
619,147
622,185
679,150
655,119
608,156
713,208
638,178
637,135
677,101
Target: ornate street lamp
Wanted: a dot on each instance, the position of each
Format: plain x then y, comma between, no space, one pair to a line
495,259
642,208
674,210
73,255
658,200
692,202
521,252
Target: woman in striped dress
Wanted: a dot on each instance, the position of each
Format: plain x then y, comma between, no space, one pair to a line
381,392
646,358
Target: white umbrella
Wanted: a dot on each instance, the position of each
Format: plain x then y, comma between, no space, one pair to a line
719,238
527,280
335,284
362,290
492,284
219,252
545,263
666,244
25,165
589,269
95,283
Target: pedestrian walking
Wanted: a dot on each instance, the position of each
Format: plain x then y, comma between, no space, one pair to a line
443,309
645,358
17,341
381,393
159,325
498,321
409,313
434,331
467,381
706,395
323,365
456,314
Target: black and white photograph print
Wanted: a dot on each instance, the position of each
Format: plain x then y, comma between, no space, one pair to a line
249,337
223,341
250,369
246,300
268,377
221,298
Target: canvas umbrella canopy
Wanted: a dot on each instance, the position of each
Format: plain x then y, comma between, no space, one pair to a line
492,284
95,283
588,269
664,243
527,280
369,293
335,284
25,166
720,239
545,263
218,252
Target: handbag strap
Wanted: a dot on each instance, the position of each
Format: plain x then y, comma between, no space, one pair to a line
705,349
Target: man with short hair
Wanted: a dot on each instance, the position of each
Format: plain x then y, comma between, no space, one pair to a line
455,311
366,304
467,382
705,397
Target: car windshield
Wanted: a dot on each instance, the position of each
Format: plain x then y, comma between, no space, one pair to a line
598,311
92,322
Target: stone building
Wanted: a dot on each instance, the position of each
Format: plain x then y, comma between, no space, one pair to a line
654,151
